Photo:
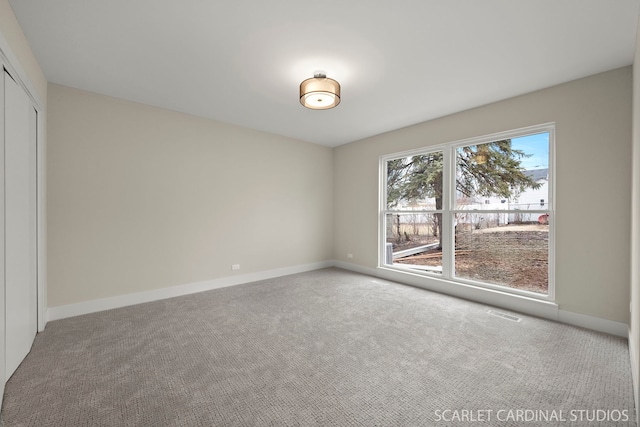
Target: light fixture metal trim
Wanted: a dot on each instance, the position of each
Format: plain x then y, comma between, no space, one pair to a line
319,92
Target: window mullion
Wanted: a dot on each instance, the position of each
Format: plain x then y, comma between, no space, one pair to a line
447,220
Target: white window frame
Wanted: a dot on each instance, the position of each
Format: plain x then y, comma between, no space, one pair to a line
449,210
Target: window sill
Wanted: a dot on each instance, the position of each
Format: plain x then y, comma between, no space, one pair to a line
520,303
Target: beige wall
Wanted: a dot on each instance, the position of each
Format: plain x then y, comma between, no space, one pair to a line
143,198
12,33
593,135
634,329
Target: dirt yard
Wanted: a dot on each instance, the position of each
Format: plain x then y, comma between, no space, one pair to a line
514,256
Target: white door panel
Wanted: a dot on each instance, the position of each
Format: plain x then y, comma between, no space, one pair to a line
20,225
3,376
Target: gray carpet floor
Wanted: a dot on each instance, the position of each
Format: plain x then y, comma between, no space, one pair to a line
323,348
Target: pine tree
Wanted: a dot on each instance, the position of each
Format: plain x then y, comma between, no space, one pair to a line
492,169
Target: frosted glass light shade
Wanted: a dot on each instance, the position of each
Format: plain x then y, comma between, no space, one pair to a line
320,93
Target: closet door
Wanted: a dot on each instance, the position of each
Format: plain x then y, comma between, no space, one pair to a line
20,224
3,377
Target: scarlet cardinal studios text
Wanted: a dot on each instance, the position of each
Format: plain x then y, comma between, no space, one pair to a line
531,415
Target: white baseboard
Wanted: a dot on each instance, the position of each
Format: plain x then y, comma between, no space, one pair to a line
594,323
356,268
516,303
86,307
633,354
538,308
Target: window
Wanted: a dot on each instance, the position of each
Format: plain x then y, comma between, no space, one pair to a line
477,212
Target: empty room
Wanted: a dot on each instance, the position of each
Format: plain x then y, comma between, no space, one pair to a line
412,213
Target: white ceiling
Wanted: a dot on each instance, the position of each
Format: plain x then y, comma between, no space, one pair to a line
399,62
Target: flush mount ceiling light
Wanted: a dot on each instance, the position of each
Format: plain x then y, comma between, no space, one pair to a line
319,92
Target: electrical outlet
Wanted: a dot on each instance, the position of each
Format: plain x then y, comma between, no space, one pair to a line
235,267
349,255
